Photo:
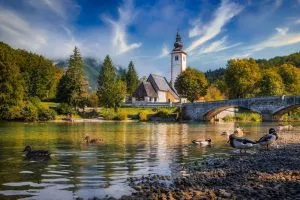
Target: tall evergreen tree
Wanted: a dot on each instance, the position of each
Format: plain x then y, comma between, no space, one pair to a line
73,85
111,89
132,79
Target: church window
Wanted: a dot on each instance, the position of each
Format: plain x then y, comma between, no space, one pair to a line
176,58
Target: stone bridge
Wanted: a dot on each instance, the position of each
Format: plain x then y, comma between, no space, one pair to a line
270,108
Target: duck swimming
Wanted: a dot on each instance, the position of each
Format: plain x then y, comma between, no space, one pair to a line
93,140
268,139
202,143
241,143
37,153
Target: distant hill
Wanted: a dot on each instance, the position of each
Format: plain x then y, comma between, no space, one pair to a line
92,68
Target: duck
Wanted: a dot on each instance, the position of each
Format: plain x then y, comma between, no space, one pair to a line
285,128
225,133
241,143
202,143
36,153
268,139
93,140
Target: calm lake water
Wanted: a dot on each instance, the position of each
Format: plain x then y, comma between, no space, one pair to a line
77,170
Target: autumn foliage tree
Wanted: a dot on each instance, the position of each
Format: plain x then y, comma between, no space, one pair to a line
192,84
242,77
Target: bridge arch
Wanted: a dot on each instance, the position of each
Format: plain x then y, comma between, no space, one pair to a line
210,114
281,111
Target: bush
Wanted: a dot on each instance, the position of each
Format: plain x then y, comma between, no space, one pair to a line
143,116
108,114
29,112
64,109
122,115
45,114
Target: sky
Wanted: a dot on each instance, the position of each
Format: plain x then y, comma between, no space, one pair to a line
144,31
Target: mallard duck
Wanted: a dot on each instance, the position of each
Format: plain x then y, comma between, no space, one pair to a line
241,143
93,140
202,143
36,153
268,139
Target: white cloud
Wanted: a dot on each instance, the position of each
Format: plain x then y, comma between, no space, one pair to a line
278,3
222,16
281,38
19,32
217,46
126,15
241,55
297,21
164,52
64,9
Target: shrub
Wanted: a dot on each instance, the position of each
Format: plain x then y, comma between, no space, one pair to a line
64,109
122,115
29,112
108,115
45,114
143,116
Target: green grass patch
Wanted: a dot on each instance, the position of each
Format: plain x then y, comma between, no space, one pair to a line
248,116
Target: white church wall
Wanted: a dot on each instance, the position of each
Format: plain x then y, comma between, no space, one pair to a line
162,96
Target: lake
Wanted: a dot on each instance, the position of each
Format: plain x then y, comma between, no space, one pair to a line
86,171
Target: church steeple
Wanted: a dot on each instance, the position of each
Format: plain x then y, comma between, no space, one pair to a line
178,43
178,59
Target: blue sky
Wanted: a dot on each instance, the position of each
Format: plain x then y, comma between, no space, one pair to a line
213,31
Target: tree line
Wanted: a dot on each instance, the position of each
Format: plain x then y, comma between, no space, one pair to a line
26,79
243,78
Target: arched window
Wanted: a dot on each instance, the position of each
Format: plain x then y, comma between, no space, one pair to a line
176,58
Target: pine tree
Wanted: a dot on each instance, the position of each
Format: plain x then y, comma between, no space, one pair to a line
132,79
73,85
111,89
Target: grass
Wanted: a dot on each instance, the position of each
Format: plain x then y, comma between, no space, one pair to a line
247,116
292,116
141,114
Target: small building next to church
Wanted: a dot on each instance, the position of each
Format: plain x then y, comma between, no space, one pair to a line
157,88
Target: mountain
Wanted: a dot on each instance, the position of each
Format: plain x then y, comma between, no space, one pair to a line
92,68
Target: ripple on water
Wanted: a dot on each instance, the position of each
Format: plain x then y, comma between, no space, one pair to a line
21,184
26,172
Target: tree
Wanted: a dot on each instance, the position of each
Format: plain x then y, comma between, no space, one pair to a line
241,77
291,78
11,87
73,85
111,89
192,84
132,79
213,94
271,83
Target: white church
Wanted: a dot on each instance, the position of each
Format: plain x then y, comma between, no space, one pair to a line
157,88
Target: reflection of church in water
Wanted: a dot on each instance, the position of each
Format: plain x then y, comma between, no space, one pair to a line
157,88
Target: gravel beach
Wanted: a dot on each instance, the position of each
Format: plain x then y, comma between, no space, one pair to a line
262,174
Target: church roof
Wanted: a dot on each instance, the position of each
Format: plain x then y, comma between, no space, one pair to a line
161,83
178,43
145,89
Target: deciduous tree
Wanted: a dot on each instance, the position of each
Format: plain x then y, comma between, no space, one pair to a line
192,84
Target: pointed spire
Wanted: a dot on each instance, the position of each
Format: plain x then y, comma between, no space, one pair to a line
178,43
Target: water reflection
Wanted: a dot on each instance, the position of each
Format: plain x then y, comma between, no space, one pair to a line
86,171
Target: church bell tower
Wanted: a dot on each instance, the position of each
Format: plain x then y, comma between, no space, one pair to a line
178,59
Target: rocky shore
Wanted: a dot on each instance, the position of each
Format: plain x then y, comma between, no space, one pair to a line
264,174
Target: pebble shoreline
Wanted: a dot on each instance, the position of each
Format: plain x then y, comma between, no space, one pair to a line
265,174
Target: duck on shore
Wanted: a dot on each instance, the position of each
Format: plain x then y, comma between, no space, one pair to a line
241,143
285,128
202,143
36,154
89,140
268,139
